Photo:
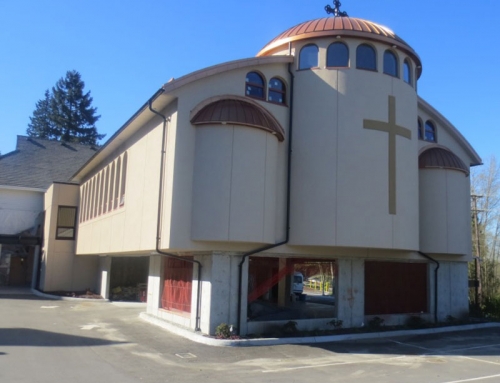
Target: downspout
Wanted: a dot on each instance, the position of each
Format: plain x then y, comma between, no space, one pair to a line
435,284
160,209
287,224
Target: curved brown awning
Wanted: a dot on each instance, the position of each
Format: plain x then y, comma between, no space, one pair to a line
440,158
238,112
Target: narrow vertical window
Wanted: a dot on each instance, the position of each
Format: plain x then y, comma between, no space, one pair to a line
420,130
337,55
430,132
87,205
407,71
277,91
124,180
82,203
366,58
92,199
111,183
391,64
97,195
106,187
66,222
254,85
117,183
308,57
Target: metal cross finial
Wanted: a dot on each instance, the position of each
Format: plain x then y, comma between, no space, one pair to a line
336,11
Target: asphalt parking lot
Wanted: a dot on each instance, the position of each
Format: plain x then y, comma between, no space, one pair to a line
49,341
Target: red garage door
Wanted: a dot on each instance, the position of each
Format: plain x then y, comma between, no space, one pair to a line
177,285
395,288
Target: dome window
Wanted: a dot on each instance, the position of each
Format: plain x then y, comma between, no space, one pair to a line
407,71
337,55
391,64
308,57
277,91
366,58
254,86
430,132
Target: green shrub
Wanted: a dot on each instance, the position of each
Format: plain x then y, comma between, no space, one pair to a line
290,327
375,322
416,322
223,331
337,323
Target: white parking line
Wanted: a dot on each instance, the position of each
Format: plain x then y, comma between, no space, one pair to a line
412,345
333,364
479,360
475,379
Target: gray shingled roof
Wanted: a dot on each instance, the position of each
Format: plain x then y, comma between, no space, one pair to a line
37,163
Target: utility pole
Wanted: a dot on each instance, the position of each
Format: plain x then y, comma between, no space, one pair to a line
477,258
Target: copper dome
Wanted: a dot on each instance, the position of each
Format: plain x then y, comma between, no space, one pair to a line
340,26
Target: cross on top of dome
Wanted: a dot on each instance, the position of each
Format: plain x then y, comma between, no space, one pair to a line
335,11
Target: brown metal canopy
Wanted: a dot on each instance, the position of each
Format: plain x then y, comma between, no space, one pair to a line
440,158
238,112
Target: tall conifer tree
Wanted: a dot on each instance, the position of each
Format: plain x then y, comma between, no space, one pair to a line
66,114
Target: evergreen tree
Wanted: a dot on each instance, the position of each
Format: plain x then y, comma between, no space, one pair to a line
41,125
66,113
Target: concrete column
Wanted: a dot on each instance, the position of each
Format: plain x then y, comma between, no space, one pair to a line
283,299
219,291
350,288
154,284
452,290
36,266
105,272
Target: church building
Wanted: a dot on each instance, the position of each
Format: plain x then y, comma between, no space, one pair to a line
235,183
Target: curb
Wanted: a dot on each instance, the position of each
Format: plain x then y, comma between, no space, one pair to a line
203,339
59,298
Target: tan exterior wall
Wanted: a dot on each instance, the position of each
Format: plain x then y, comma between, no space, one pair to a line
445,212
61,269
340,170
130,228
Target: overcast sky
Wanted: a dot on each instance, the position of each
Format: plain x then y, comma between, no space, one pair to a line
125,50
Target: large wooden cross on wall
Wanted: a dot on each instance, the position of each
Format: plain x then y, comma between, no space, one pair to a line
393,130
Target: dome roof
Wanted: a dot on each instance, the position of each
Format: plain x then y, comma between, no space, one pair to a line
238,112
340,26
440,158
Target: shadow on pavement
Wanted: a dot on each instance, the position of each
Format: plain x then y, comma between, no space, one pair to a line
482,342
40,338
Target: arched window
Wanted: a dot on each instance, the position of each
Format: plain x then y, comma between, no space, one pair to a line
254,85
117,183
407,72
277,91
391,64
430,132
337,55
82,207
106,188
111,183
124,180
366,58
308,57
420,130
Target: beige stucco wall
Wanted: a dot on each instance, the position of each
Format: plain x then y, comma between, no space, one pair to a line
131,227
340,170
445,212
62,270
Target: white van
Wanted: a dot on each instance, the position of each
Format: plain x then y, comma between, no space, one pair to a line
298,283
